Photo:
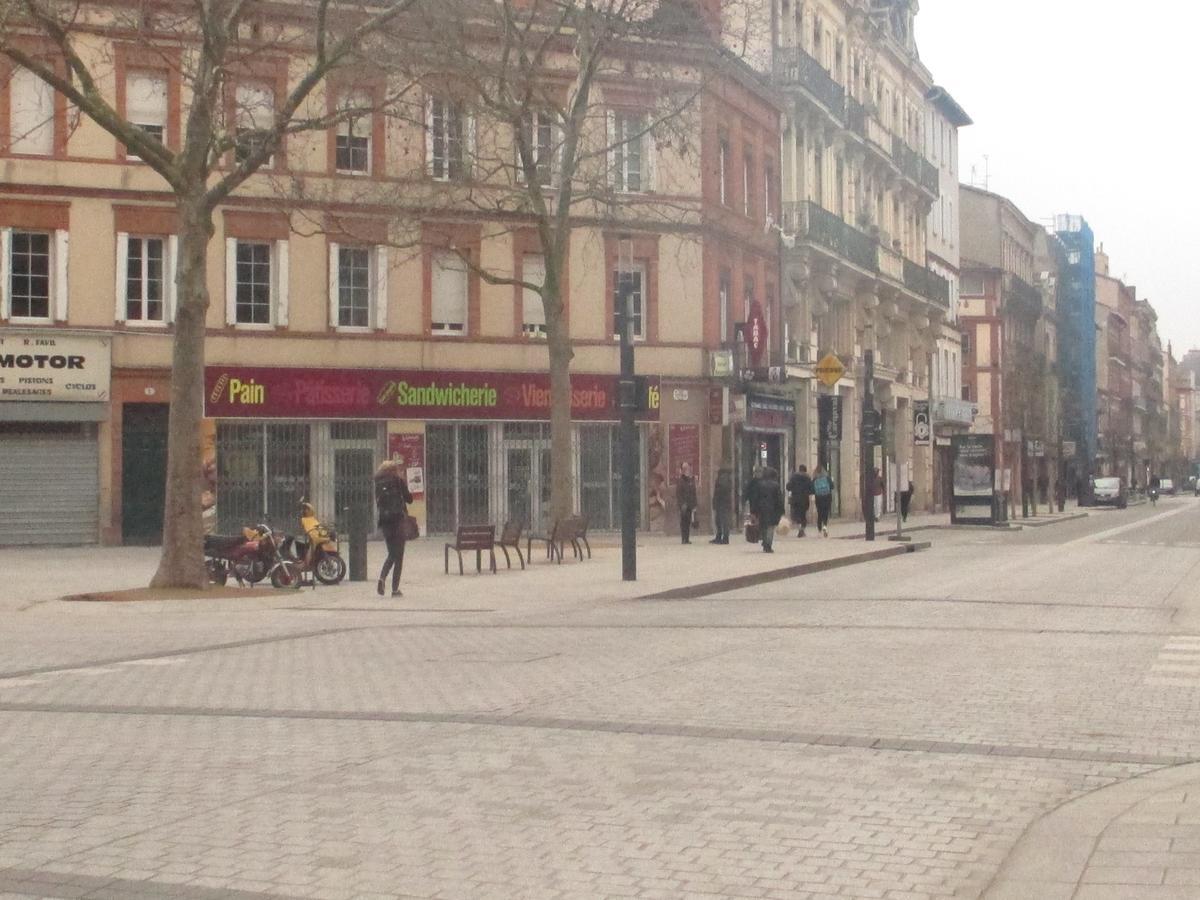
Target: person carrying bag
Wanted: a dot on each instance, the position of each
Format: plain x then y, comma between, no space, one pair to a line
391,500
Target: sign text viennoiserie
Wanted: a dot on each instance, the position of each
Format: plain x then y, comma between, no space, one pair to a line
277,392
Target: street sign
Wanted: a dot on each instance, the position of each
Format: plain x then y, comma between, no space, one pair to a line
921,428
756,333
830,370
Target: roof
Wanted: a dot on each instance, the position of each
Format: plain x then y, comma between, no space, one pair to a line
950,108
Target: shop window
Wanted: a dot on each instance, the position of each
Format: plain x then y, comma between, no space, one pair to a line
635,278
29,275
352,141
253,283
31,114
629,157
354,287
533,309
255,116
145,279
450,285
448,132
146,104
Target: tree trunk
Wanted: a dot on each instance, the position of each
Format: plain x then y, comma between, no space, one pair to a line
562,494
182,560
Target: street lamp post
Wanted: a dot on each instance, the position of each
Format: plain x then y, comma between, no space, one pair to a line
627,393
867,432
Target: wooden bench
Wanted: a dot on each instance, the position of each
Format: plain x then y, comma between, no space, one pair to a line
570,530
510,536
473,537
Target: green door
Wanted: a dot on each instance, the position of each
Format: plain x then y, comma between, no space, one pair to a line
143,471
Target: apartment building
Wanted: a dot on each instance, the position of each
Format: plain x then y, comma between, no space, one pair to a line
862,119
331,345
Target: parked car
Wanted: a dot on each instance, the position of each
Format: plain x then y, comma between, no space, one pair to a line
1166,486
1109,492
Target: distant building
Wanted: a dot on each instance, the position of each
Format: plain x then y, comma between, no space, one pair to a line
1077,347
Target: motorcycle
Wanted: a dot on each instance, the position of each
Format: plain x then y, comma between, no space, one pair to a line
249,557
318,551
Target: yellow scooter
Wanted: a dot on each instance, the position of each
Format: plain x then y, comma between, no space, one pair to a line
318,551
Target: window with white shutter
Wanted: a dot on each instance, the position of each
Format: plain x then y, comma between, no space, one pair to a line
31,114
449,133
450,282
630,169
146,104
636,280
533,310
353,138
255,112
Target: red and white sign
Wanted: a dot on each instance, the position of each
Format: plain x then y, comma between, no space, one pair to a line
756,333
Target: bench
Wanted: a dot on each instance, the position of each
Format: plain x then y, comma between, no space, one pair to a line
473,537
510,536
565,531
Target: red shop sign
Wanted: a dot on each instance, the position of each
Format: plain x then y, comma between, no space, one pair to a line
756,332
262,392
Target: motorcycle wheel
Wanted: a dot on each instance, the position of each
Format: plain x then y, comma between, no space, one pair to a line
330,569
285,575
250,571
217,573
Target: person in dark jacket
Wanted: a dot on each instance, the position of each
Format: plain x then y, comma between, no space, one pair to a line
823,494
391,499
723,504
800,490
906,501
767,505
685,499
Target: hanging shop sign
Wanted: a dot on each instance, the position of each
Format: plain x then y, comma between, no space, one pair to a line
52,366
756,333
262,392
829,417
922,425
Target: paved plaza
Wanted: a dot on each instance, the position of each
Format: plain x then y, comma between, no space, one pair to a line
1006,714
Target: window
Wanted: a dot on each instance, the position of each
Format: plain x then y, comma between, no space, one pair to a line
630,160
145,288
533,311
253,284
966,392
255,113
748,298
354,287
146,104
448,310
31,114
447,140
635,280
723,170
768,178
966,342
540,135
352,143
29,275
748,185
971,285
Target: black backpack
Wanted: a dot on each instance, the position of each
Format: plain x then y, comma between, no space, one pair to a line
389,497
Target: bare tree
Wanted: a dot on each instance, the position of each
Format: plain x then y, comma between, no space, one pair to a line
517,137
223,142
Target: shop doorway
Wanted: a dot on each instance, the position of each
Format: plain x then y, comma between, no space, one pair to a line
527,483
143,471
761,450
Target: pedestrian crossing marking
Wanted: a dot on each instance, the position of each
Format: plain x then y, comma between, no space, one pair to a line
1177,663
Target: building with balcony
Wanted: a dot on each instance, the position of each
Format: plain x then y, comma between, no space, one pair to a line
1008,322
1120,396
858,188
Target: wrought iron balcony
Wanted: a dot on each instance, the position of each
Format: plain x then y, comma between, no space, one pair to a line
794,66
914,166
1022,294
856,116
927,283
827,230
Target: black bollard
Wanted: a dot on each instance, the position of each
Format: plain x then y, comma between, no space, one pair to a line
357,516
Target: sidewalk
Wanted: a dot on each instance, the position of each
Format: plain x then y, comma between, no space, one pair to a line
1136,840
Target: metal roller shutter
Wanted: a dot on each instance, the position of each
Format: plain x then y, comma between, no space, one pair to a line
49,484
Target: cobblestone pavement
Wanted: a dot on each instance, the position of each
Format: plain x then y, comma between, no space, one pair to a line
887,730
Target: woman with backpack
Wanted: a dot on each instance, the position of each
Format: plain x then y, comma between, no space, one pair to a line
391,500
822,487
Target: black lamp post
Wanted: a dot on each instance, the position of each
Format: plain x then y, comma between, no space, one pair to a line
627,393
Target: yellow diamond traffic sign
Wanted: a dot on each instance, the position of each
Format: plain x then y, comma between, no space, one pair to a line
830,370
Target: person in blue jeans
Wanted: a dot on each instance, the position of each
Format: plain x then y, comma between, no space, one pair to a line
822,486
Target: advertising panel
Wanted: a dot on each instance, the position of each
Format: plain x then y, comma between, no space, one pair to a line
974,477
53,366
295,393
829,417
683,446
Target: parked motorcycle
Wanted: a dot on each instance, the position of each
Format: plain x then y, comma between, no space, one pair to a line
319,551
249,557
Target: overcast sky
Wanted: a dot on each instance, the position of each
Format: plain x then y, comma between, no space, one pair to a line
1089,108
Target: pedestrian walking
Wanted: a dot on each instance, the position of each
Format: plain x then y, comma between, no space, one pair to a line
722,504
800,489
905,501
875,490
391,500
685,499
823,497
767,506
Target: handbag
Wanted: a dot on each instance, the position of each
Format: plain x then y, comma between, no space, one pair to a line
409,529
753,535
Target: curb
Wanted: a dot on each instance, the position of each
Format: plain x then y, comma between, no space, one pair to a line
1051,856
1033,523
695,591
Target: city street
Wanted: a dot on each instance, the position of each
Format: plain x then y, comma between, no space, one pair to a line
892,729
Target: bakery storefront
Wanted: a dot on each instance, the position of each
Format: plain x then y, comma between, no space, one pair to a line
54,398
476,444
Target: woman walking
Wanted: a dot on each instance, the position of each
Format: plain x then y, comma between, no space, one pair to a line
800,488
767,506
685,499
391,499
823,495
